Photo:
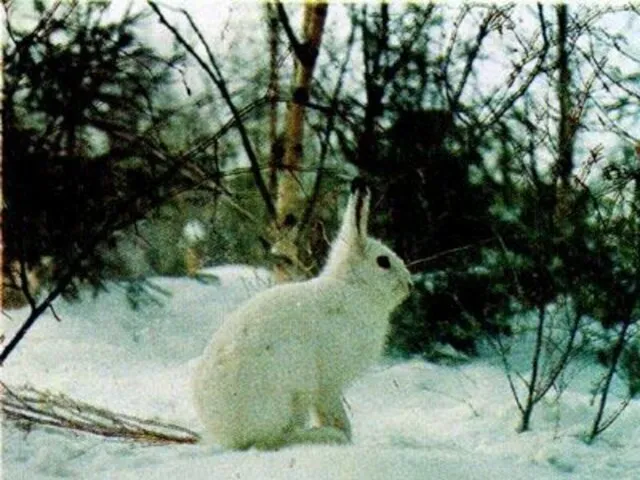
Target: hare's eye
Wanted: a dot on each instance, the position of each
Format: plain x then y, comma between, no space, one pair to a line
383,262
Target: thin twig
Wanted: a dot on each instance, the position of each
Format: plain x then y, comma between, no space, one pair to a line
214,74
296,46
28,407
53,312
444,253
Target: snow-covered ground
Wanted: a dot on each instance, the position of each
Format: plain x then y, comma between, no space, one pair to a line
412,419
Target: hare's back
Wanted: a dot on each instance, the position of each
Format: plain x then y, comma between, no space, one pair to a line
284,313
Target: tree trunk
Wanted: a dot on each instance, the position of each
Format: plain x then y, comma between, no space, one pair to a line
566,127
275,142
532,396
289,200
597,426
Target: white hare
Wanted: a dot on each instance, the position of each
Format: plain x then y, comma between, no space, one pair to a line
274,372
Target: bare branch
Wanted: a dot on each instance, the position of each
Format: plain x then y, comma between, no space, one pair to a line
444,253
298,48
599,425
215,75
406,48
483,30
502,351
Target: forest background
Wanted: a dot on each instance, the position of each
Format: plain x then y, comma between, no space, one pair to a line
502,143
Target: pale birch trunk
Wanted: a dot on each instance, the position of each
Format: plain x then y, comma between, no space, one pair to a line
290,201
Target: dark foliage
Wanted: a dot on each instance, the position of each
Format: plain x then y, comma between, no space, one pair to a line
430,207
82,156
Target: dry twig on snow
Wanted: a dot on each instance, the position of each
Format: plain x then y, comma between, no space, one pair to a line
28,407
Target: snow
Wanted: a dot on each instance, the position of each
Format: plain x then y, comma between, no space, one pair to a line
412,419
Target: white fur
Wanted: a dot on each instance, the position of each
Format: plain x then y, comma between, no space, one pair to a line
274,372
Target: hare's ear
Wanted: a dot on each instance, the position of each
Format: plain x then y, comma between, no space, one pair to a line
356,216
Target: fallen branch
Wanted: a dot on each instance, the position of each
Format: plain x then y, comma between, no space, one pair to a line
28,407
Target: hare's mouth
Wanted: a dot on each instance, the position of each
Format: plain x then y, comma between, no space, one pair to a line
403,288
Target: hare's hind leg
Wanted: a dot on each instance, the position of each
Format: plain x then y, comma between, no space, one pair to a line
330,426
312,428
309,425
297,423
331,413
